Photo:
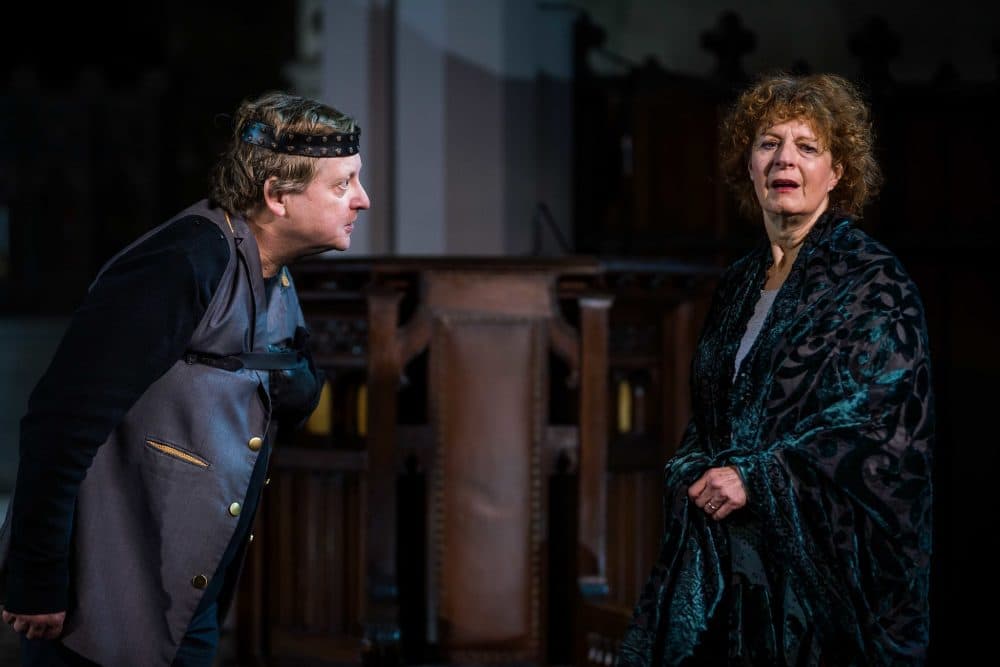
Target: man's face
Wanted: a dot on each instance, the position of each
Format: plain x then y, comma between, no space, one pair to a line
322,216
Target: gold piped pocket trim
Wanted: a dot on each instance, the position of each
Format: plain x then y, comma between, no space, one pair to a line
170,450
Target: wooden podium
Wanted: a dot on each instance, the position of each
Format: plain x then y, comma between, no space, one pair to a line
453,506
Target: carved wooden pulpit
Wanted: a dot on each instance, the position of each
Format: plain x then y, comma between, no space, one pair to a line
448,501
488,330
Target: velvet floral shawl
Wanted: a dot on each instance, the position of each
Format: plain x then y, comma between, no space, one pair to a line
830,424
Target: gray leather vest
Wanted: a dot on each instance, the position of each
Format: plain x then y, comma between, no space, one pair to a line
156,510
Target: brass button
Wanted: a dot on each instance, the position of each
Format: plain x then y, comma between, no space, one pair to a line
255,443
267,481
199,581
234,509
285,282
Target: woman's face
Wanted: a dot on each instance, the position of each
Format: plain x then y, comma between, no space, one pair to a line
792,172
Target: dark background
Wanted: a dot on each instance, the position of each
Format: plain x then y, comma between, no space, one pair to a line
103,122
103,135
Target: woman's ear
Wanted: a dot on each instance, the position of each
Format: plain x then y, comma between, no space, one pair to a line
838,172
273,199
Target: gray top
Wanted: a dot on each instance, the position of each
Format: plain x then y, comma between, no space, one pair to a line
754,325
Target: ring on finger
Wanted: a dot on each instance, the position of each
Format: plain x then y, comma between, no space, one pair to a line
710,507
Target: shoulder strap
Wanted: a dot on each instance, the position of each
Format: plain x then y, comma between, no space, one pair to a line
257,361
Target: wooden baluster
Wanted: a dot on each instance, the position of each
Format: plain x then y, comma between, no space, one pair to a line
593,445
384,366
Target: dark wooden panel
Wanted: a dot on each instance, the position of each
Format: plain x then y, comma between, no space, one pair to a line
635,527
301,593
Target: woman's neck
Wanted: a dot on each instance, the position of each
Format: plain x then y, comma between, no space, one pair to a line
788,231
786,234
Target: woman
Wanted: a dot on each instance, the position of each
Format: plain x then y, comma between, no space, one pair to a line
798,505
145,447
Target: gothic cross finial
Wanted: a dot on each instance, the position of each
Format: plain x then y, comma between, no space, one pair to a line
729,40
875,45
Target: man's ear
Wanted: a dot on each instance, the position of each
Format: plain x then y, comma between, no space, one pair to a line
274,200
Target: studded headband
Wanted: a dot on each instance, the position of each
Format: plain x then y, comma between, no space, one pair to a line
336,144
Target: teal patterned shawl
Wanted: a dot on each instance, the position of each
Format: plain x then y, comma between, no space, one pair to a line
830,423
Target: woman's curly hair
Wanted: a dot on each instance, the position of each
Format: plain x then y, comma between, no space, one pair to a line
834,108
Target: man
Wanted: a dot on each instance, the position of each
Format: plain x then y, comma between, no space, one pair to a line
145,444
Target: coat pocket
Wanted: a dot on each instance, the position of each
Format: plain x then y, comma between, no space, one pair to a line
177,453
